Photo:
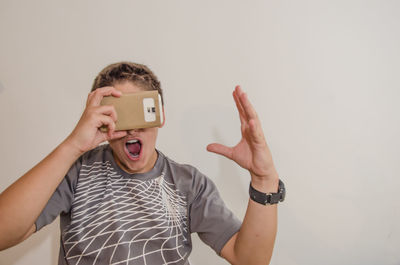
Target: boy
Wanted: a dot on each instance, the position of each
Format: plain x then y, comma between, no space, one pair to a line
127,203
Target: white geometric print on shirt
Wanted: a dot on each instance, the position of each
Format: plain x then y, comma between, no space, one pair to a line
119,220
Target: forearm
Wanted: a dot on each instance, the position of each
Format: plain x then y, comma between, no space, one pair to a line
255,241
23,201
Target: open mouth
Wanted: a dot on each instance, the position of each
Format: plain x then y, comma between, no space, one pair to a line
133,148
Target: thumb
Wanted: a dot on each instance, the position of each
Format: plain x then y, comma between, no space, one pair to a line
220,149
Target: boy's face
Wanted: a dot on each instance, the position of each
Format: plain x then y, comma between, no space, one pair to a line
135,153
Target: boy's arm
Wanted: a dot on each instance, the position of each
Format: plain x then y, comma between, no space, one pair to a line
22,202
254,243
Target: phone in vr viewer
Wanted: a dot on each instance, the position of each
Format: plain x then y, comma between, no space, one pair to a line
136,110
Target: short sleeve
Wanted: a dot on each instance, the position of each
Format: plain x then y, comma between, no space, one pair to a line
209,216
61,200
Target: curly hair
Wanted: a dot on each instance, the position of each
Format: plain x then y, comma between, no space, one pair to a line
138,74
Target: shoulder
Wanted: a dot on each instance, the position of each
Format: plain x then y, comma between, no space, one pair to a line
181,169
187,176
100,153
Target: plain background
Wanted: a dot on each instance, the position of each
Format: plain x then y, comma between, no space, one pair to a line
323,76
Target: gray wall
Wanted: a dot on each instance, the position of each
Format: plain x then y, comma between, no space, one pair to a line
323,75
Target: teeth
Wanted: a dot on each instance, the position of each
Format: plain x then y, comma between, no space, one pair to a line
132,141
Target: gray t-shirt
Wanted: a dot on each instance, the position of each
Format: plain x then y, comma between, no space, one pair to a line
109,216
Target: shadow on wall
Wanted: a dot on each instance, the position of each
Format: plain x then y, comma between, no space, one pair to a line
1,87
298,250
229,180
25,252
204,124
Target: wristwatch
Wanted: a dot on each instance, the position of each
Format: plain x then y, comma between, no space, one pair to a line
268,198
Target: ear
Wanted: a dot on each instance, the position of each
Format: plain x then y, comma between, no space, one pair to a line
163,113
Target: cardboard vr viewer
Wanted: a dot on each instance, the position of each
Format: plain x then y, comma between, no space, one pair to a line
136,110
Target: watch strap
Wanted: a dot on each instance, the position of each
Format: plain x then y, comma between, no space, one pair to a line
268,198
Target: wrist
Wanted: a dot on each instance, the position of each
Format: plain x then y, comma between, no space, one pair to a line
268,184
269,198
71,148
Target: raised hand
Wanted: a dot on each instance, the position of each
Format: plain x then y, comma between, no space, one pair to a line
86,134
252,152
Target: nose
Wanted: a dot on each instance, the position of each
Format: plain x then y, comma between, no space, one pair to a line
133,131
